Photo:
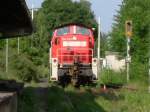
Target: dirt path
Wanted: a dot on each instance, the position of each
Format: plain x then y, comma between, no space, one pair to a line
42,103
41,93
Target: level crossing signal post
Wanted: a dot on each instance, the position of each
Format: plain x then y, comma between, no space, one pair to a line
128,33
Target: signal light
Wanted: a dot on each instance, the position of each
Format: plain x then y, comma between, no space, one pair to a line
128,28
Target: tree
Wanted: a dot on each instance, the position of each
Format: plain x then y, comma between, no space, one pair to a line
59,12
32,62
139,12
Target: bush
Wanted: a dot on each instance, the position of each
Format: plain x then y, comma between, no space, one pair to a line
139,71
108,76
43,71
3,75
24,69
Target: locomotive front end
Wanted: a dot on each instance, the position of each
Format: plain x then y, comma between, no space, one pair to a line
72,54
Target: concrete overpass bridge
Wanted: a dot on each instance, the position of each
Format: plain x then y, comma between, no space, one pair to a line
14,19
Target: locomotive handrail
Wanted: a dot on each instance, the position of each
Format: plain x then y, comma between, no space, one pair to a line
68,56
72,49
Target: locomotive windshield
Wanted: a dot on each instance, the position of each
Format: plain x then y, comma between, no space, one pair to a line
63,31
75,30
82,30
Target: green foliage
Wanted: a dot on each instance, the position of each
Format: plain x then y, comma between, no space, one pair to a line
43,71
33,61
3,75
125,101
111,77
2,61
59,12
24,69
139,71
35,99
72,100
27,101
139,12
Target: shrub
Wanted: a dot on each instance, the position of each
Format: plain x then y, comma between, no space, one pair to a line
42,71
139,71
23,68
108,76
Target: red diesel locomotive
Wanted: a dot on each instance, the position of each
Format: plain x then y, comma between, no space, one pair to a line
71,54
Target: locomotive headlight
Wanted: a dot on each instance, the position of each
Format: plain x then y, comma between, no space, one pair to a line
94,61
55,61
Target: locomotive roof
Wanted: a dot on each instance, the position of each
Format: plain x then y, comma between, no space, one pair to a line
68,24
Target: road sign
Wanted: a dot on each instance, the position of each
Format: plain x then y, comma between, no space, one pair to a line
128,28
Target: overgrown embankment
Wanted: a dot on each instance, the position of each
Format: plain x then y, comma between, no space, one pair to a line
54,98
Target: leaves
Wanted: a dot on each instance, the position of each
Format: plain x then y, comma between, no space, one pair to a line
139,12
58,12
32,62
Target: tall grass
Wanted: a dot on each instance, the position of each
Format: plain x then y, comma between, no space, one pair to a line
27,101
139,72
109,76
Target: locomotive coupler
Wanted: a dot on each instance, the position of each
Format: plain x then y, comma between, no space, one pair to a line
74,72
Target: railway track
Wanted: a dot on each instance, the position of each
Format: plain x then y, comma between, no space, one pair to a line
53,97
41,93
69,101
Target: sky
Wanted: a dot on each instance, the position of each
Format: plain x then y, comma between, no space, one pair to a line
106,9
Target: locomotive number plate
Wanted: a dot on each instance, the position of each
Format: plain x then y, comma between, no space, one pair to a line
74,43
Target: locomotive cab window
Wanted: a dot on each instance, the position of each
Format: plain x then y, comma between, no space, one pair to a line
63,31
82,30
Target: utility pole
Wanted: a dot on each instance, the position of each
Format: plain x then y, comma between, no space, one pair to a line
98,47
128,28
99,36
18,45
6,55
149,72
32,13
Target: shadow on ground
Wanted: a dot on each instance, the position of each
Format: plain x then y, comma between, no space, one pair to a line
57,99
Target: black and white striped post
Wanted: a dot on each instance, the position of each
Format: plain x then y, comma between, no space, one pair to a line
128,28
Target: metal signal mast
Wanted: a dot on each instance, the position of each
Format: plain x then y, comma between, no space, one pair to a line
128,33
